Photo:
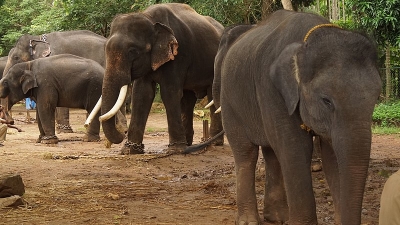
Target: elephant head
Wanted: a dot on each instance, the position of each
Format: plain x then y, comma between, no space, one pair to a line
136,47
335,89
16,83
28,48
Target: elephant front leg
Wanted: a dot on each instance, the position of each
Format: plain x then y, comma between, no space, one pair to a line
143,93
62,120
171,97
276,208
46,125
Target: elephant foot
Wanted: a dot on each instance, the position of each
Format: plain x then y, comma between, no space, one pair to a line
131,148
218,142
176,148
63,128
91,138
53,139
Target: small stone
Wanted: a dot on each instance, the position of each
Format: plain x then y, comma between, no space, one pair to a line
316,167
12,201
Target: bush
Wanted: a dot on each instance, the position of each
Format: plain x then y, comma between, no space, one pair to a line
387,114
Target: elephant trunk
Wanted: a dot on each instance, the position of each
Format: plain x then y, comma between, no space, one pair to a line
110,93
353,150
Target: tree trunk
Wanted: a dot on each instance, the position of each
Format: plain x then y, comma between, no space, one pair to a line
287,4
266,8
388,74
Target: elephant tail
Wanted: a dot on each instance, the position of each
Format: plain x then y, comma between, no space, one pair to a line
195,148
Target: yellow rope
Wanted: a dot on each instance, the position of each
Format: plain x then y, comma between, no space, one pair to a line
319,26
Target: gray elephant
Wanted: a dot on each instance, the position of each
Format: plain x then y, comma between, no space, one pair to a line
82,43
283,82
63,80
143,48
3,62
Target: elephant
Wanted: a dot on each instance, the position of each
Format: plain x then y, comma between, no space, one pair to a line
63,80
82,43
143,48
281,83
3,62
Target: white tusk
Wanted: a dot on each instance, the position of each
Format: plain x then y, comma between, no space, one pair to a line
209,104
117,106
218,110
93,113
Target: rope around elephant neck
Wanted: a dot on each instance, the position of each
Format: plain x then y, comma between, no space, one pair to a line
319,26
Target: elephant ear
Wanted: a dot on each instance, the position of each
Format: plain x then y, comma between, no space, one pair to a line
40,49
165,47
285,75
28,81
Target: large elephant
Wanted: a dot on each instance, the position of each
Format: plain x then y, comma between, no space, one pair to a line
143,48
63,80
283,82
82,43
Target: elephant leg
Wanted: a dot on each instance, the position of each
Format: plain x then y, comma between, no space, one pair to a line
295,160
171,96
245,155
276,208
143,93
46,120
38,121
331,170
187,105
62,119
216,122
92,132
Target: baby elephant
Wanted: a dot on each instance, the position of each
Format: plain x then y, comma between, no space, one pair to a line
57,81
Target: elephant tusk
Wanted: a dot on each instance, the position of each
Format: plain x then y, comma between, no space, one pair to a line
92,114
117,106
218,110
209,104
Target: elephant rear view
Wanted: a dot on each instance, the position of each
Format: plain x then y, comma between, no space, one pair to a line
283,82
57,81
169,44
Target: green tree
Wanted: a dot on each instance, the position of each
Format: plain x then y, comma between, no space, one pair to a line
381,19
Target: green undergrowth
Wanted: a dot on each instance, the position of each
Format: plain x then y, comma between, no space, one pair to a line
386,118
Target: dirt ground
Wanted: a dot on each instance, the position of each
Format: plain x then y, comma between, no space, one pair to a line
75,182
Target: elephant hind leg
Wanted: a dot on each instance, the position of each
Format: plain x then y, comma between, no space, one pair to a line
276,208
62,120
187,105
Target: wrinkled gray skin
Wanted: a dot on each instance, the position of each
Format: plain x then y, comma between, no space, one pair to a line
82,43
169,44
271,83
63,80
3,62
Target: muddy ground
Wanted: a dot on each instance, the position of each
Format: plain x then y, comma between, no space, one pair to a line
75,182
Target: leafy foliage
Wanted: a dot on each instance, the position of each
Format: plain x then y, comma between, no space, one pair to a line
378,17
387,114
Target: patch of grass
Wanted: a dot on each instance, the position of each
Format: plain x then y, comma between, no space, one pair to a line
155,129
387,114
385,130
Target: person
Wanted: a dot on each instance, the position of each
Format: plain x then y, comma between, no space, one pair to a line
4,125
389,213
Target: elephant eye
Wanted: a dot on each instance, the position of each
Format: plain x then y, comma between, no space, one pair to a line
327,102
133,53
